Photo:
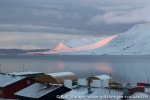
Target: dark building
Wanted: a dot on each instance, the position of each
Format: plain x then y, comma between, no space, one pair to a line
39,91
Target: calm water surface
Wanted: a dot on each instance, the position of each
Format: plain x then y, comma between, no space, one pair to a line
123,68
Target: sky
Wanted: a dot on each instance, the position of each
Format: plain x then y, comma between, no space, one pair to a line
36,24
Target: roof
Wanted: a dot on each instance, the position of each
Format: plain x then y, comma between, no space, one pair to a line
81,92
37,90
61,74
56,78
6,80
25,73
102,77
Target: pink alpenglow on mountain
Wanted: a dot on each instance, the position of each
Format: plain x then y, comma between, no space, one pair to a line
60,48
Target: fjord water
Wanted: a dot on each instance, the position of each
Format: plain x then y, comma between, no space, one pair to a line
124,69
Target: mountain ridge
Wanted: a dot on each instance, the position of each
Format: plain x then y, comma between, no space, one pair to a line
135,41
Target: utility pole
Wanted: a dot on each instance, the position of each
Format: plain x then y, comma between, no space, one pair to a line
148,84
109,85
0,68
23,67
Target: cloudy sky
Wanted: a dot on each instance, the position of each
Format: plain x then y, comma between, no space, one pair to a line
30,24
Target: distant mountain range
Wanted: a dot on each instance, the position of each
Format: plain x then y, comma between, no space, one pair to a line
19,51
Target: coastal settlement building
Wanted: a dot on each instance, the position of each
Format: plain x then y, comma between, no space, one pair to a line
49,86
97,81
10,84
39,91
57,78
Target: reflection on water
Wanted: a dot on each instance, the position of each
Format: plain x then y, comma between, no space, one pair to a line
60,65
123,68
103,67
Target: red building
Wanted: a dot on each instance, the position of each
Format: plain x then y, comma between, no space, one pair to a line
133,90
130,90
140,84
11,84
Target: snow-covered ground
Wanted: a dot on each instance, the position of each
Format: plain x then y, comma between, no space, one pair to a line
81,93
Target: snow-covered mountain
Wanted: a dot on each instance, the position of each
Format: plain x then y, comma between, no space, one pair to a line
75,46
135,41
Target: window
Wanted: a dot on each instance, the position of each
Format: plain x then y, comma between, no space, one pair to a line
28,82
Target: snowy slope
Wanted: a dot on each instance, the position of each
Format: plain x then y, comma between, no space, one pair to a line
70,46
135,41
80,42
